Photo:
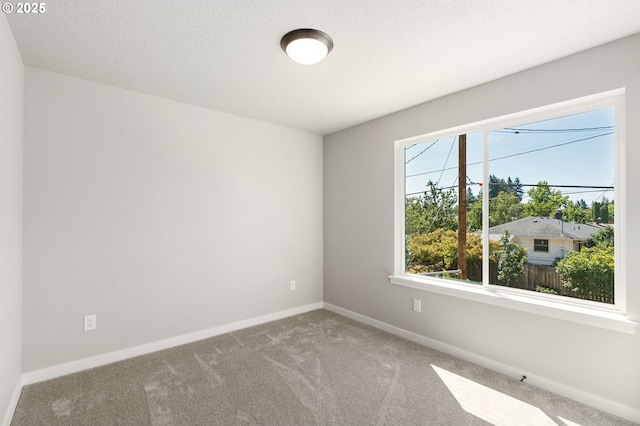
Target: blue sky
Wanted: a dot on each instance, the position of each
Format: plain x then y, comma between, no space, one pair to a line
572,150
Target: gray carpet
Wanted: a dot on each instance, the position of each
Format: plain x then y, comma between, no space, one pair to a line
317,368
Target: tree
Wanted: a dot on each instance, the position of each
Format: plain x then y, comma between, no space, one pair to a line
498,185
589,273
415,217
575,213
435,251
604,213
603,237
436,208
544,201
595,211
606,210
504,208
438,251
582,204
439,207
516,187
474,215
511,259
470,197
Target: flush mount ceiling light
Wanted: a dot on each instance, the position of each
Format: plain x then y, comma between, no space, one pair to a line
306,46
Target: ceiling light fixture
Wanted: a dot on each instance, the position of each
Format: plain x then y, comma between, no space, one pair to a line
306,46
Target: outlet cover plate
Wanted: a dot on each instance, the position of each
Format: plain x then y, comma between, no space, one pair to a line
90,322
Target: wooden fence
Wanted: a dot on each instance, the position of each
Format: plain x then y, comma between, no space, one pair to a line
534,276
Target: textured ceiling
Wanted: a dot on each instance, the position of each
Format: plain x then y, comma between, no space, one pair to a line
388,54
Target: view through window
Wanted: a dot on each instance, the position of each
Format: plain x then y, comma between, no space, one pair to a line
549,186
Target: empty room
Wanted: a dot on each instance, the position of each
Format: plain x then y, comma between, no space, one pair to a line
292,212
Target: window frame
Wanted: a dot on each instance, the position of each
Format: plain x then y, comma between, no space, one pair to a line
541,245
612,317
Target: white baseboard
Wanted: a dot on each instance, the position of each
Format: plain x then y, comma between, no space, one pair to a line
111,357
8,416
586,398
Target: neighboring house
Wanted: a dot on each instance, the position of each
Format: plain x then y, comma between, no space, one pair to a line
546,238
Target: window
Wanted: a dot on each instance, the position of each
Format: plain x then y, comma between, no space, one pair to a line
541,245
525,205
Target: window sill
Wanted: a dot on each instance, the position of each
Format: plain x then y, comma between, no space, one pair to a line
512,300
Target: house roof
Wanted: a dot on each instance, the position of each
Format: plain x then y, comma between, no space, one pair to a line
546,228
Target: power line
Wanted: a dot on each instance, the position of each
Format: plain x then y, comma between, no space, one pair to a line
453,142
586,192
517,154
594,188
435,217
561,186
421,152
552,146
517,130
602,195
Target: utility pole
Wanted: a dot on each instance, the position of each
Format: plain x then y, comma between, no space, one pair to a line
462,206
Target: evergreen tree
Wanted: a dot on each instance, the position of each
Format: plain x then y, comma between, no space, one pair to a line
498,185
595,211
517,188
604,213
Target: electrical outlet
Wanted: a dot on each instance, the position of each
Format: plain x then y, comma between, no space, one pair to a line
417,305
292,285
90,322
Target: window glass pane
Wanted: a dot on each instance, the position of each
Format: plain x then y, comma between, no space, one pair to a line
541,245
433,223
551,205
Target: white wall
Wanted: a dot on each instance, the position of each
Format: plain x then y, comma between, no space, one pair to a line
358,231
160,217
558,248
11,114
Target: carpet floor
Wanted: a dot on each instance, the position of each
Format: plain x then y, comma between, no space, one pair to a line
316,368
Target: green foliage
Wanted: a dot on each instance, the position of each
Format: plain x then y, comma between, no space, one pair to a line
595,211
436,208
546,290
415,217
575,213
511,259
544,201
474,214
470,197
604,214
498,185
438,251
602,211
589,271
603,237
582,204
506,207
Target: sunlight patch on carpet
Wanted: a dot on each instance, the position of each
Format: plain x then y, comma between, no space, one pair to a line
490,405
568,422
